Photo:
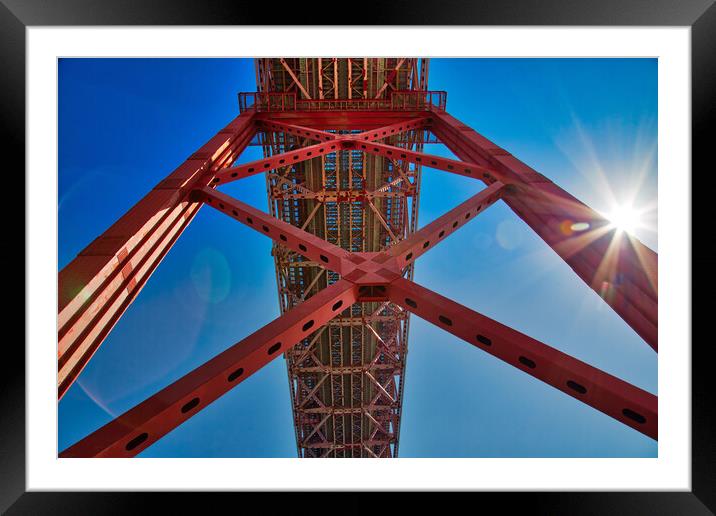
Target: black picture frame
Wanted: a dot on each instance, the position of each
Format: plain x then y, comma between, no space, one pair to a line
17,15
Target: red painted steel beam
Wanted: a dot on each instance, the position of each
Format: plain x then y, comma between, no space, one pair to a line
297,130
279,160
139,427
550,211
406,251
554,210
390,78
601,247
304,243
554,200
624,402
601,268
342,119
638,310
428,160
296,81
545,197
97,286
599,257
350,143
393,129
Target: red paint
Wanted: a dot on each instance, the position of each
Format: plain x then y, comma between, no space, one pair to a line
101,282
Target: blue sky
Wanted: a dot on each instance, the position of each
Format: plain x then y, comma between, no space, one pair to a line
590,125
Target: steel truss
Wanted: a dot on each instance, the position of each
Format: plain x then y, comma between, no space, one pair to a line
345,298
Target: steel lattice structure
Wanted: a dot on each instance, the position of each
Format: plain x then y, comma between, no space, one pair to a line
343,150
346,379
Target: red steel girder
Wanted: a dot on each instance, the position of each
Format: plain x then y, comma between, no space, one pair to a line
342,119
103,280
354,142
297,130
600,271
616,398
550,212
622,401
554,213
608,394
393,129
296,81
304,243
371,271
390,77
139,427
462,168
428,236
95,288
544,198
279,160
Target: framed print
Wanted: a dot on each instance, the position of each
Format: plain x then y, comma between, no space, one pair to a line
173,357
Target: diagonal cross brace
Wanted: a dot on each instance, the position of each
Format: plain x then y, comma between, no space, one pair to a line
147,422
393,129
294,77
622,401
324,136
150,420
298,240
428,236
296,130
363,142
279,160
618,399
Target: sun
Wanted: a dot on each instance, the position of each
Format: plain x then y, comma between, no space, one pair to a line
625,217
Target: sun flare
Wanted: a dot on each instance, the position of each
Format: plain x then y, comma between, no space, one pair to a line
625,218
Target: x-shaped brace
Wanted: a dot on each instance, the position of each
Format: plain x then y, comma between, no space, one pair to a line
376,276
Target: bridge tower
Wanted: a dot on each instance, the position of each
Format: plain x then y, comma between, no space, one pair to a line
343,142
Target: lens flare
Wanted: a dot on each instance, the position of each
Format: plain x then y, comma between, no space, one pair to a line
625,217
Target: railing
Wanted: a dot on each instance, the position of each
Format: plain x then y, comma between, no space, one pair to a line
419,100
397,101
267,101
